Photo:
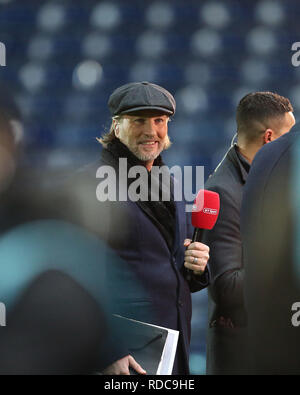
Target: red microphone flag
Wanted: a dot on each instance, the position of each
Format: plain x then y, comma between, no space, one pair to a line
206,209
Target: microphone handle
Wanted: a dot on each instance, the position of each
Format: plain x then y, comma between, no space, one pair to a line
197,236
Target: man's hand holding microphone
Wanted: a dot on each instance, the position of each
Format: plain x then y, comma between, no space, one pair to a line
196,256
204,216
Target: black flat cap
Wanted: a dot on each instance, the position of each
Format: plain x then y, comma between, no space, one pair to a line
137,96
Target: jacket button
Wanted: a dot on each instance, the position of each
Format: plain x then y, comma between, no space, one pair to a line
180,303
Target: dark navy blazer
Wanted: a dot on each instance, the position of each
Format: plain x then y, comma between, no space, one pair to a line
164,297
270,235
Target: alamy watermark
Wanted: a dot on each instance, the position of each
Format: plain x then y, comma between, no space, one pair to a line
113,187
296,315
296,56
2,54
2,314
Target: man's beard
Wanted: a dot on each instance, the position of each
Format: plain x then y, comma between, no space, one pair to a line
145,157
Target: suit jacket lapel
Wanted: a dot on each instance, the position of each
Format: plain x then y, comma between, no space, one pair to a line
180,230
146,209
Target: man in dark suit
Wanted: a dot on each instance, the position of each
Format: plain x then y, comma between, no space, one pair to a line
270,234
261,118
150,235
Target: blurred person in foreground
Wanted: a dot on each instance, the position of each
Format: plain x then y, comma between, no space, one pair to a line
150,236
261,118
11,137
270,224
52,280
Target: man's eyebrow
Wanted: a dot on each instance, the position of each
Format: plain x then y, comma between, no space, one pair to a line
135,118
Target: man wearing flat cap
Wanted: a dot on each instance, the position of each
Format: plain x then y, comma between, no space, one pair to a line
150,235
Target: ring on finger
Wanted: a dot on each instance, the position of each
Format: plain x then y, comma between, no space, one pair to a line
195,260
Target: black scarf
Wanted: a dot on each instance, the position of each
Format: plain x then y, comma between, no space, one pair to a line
162,213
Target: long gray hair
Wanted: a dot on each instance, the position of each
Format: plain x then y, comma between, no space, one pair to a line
108,137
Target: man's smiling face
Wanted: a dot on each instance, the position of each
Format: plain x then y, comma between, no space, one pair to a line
145,134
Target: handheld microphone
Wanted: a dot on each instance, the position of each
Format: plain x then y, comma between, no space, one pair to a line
205,213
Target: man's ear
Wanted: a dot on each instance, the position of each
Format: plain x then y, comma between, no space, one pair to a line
268,136
116,127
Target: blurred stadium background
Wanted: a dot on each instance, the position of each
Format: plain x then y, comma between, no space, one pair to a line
64,58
